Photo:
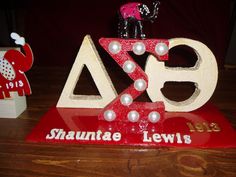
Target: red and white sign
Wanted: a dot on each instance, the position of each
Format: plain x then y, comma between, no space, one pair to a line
205,128
119,120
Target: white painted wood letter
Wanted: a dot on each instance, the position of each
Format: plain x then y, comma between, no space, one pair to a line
204,75
87,56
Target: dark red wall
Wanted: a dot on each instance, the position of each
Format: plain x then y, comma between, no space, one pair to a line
55,29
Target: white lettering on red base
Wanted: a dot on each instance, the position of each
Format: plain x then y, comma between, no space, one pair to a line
167,138
60,134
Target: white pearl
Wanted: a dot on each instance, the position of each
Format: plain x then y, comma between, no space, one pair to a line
140,84
126,99
129,66
154,116
114,47
161,49
133,116
109,115
139,48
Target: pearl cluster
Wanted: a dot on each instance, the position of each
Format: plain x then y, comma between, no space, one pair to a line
153,117
140,84
133,116
139,48
160,48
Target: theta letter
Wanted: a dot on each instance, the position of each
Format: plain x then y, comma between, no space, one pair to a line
204,75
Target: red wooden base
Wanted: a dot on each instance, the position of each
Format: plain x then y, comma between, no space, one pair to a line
205,128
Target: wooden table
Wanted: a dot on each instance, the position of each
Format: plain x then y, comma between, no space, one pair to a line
18,158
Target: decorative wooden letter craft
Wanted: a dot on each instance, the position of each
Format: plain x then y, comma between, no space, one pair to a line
123,108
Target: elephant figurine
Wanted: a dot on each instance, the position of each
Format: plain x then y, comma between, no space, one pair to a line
133,14
12,67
